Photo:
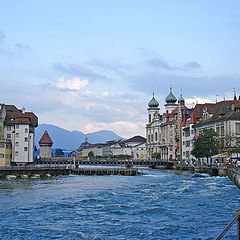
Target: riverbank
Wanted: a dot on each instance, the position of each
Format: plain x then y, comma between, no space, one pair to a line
232,173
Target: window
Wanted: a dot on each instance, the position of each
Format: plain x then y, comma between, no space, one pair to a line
7,156
237,128
7,146
2,145
1,155
150,118
17,144
17,126
8,128
16,153
156,136
25,149
26,130
17,135
187,143
26,139
9,135
222,130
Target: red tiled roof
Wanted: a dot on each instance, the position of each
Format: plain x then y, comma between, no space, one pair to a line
16,116
46,139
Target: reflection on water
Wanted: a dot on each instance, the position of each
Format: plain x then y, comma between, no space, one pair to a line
158,205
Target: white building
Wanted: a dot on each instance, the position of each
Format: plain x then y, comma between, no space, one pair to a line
188,137
135,147
19,127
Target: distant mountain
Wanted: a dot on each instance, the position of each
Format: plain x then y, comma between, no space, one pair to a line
71,140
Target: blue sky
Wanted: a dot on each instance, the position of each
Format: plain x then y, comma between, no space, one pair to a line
92,65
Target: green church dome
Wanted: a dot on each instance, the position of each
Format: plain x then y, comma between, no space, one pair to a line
171,99
153,103
181,101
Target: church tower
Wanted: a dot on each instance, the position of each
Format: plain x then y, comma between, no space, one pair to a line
153,109
170,102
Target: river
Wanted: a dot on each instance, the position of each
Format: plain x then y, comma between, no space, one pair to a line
158,205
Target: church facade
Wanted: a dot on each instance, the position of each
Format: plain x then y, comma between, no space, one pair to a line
164,131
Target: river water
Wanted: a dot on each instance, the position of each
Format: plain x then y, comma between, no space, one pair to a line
158,205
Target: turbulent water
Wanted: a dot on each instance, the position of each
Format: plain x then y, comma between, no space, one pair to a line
159,205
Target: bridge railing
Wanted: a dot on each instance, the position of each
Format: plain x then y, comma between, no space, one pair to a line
236,218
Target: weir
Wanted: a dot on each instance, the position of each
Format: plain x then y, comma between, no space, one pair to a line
65,170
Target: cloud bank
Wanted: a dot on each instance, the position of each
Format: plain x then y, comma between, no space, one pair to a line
74,84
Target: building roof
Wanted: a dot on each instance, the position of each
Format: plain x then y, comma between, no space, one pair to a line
18,116
138,138
198,110
46,139
223,111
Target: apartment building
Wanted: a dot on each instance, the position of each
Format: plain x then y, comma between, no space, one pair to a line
19,128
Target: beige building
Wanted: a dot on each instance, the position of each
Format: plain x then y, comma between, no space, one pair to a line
5,153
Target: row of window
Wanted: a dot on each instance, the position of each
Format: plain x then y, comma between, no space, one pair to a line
187,154
17,127
2,145
17,143
7,155
187,143
16,153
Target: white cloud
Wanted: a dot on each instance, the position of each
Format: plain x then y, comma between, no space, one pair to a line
105,94
74,84
190,102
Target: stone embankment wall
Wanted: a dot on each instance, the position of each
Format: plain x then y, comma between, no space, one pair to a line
232,173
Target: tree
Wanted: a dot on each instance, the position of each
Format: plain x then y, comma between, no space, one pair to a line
230,144
59,153
156,155
205,145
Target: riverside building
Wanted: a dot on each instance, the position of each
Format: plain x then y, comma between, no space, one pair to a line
223,117
163,131
17,128
135,147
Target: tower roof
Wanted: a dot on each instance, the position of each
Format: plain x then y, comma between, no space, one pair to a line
153,103
170,99
181,100
46,139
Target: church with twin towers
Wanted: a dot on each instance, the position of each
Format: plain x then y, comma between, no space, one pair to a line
163,131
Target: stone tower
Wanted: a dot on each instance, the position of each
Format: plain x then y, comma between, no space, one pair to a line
45,144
